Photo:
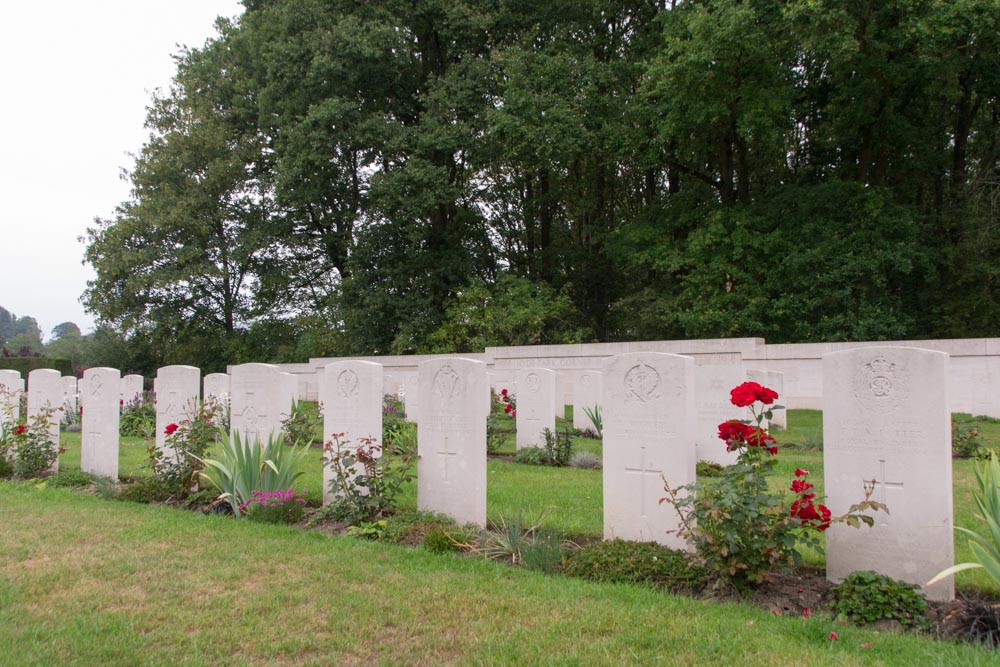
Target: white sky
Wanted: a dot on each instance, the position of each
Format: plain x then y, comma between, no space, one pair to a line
75,80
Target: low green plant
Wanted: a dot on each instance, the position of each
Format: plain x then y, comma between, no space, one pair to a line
707,469
180,463
442,539
594,415
585,459
497,431
138,418
245,465
966,442
621,561
558,447
986,550
364,484
143,490
533,456
374,531
507,538
392,407
70,479
867,597
399,437
544,552
281,506
302,423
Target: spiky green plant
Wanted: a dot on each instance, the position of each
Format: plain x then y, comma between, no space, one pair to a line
986,550
596,419
247,465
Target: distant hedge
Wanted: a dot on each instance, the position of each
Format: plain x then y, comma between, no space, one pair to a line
27,364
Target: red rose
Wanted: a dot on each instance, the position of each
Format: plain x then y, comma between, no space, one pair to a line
758,438
799,485
745,394
20,429
170,428
799,472
514,413
734,431
766,395
503,392
773,451
508,408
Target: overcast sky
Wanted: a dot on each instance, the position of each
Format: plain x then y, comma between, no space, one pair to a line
75,81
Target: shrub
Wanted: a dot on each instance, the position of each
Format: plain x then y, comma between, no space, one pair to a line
965,440
497,431
621,561
392,407
282,506
143,490
245,466
70,478
739,528
866,597
187,441
301,425
399,437
558,447
27,448
585,459
365,484
138,418
533,456
544,552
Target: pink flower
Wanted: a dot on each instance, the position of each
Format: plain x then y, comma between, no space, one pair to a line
832,636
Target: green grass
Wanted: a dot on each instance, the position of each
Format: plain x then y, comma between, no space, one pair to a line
91,582
573,497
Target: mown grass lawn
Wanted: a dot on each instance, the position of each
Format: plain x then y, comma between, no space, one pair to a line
92,582
573,498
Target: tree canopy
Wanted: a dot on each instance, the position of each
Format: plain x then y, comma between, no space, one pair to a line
333,177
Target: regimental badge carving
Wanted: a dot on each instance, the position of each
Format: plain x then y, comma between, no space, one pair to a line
533,382
348,383
642,383
96,385
717,384
447,383
585,381
881,383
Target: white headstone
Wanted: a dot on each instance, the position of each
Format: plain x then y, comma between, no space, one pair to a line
451,440
70,394
886,418
131,389
536,400
176,391
99,449
410,388
586,394
216,386
254,397
11,388
45,392
713,405
351,396
648,436
776,381
289,394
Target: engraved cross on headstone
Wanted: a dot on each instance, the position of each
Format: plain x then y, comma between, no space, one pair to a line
643,472
882,485
446,453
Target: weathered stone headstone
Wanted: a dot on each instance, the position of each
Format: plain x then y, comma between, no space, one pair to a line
45,393
586,394
216,386
255,398
176,391
101,392
410,387
131,389
776,381
289,394
451,441
713,405
71,400
885,418
351,395
11,388
536,401
648,435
